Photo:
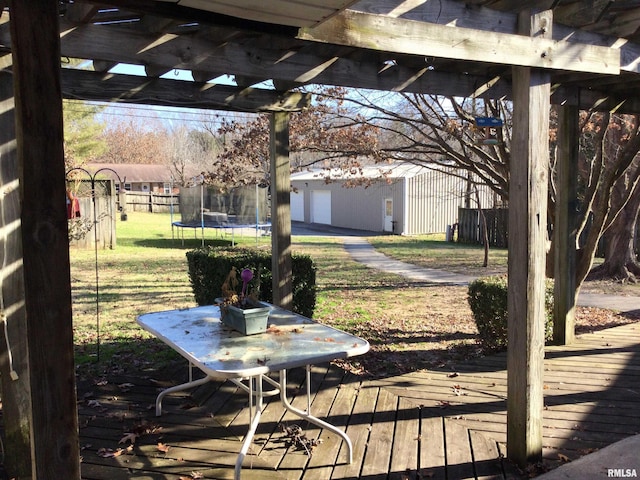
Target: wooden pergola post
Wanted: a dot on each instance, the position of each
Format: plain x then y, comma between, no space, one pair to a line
16,401
50,392
527,241
565,228
281,210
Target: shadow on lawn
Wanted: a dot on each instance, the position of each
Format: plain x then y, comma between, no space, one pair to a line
186,244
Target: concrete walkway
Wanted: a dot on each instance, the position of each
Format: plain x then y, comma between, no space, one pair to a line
363,252
619,460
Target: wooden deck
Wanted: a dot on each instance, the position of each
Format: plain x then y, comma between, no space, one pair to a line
448,424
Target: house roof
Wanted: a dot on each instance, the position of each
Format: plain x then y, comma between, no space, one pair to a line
395,170
129,173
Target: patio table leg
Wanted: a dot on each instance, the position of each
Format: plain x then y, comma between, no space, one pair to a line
178,388
255,420
307,415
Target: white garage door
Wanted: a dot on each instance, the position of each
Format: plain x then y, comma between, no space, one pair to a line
321,206
297,206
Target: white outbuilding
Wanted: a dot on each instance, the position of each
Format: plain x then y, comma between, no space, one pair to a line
403,199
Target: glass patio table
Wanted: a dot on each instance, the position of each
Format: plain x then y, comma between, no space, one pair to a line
290,341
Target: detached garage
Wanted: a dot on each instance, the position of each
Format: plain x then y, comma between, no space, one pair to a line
402,199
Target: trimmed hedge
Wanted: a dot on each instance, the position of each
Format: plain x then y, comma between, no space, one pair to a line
487,298
209,267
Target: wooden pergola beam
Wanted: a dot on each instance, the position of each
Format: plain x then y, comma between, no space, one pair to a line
110,87
303,67
112,44
363,30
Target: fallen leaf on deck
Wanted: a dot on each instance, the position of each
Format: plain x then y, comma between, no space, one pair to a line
298,439
108,453
129,437
163,448
457,389
105,453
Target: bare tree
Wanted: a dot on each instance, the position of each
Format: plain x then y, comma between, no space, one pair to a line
610,170
131,142
315,140
188,153
441,131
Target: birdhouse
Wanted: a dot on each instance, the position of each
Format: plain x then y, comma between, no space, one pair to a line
490,127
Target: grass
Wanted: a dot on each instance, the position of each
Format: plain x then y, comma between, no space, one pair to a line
410,325
433,251
147,271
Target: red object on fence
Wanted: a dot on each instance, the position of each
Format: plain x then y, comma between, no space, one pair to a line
73,206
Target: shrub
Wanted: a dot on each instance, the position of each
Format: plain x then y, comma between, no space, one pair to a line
488,301
209,266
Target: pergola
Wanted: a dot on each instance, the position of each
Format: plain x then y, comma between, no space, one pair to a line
575,54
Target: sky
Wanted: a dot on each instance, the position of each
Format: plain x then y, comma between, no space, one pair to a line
171,117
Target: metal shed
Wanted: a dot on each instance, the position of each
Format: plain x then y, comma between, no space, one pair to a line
403,199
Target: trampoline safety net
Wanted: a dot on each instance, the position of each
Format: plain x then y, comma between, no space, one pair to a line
200,205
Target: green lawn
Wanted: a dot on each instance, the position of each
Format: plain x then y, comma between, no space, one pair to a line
147,271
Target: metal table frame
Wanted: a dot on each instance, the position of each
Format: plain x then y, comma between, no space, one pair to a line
221,353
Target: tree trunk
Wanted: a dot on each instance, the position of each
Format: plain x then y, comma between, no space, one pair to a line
620,259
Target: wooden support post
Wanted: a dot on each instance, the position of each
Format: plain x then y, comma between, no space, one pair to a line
55,451
565,229
281,210
527,241
14,365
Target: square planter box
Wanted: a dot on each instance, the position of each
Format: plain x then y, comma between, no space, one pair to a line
247,321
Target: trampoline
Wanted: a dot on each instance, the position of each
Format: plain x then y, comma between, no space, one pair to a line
260,229
240,209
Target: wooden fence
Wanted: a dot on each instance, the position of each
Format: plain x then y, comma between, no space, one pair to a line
151,202
89,226
471,226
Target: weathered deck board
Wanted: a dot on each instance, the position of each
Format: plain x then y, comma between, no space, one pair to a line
380,444
430,424
432,456
338,406
358,430
458,454
404,454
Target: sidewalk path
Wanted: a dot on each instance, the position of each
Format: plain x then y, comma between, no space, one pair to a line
362,251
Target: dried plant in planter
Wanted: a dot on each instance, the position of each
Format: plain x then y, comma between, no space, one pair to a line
242,310
230,294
